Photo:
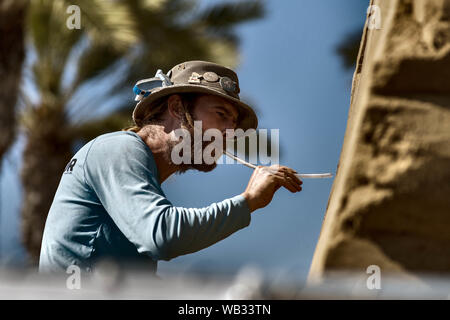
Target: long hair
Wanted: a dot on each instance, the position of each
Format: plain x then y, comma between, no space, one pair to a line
155,111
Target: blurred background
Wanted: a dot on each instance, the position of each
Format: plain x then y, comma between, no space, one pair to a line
62,87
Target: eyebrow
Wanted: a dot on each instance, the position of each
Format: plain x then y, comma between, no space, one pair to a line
228,112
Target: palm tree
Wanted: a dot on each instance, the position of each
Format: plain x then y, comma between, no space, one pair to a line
46,124
119,42
12,53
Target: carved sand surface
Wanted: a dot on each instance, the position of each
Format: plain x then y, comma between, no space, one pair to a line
390,202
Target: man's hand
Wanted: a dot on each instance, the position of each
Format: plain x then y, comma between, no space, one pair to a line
265,181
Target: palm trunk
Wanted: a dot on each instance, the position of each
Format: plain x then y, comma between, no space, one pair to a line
46,153
12,15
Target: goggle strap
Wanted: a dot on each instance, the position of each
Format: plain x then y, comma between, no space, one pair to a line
160,76
165,78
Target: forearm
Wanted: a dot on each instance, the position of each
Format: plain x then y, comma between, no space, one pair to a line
181,230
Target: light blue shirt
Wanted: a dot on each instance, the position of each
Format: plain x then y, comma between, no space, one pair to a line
109,204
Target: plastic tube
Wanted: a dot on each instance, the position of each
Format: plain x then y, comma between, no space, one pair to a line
300,175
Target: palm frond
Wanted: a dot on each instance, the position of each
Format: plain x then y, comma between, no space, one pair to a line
95,60
227,15
154,5
107,21
223,52
115,121
177,10
52,42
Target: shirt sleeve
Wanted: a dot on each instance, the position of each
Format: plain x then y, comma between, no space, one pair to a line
123,176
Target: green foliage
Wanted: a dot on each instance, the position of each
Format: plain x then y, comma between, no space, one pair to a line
138,36
226,15
91,128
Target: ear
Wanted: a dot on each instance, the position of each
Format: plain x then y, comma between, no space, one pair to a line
175,106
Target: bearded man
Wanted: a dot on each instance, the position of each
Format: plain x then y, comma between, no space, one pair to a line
110,204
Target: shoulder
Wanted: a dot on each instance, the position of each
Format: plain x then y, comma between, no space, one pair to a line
118,139
120,148
118,143
120,156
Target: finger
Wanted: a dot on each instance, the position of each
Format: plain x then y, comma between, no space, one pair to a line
296,185
287,169
291,183
290,177
284,177
285,173
278,168
293,175
285,183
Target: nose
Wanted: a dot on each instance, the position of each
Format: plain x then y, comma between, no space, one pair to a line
230,124
228,133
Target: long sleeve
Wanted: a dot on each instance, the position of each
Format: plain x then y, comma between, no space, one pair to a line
123,174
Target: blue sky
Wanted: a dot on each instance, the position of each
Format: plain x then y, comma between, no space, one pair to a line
290,72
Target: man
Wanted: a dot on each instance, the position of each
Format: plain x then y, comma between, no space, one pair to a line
109,203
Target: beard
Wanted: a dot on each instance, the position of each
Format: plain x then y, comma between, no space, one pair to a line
194,148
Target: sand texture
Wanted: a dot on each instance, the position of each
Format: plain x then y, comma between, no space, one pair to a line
390,201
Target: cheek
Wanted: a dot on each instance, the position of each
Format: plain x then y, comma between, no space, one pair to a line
209,120
206,121
211,123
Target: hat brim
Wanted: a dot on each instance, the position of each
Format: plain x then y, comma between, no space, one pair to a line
247,117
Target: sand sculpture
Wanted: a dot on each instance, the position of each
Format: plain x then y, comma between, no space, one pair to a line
390,202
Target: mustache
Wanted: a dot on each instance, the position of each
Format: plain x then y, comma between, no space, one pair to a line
199,145
194,147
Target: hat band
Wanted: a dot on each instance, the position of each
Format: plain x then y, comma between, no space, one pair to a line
143,88
225,83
